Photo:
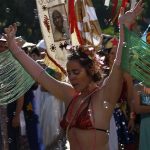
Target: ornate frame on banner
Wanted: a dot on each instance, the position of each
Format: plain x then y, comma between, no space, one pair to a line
50,11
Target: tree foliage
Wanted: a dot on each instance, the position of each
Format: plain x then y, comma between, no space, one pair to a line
104,15
25,13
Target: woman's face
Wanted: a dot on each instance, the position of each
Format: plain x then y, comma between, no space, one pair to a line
112,56
57,19
78,76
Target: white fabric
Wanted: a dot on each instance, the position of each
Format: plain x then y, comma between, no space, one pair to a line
80,26
107,3
41,44
51,113
133,2
37,100
28,44
22,124
37,108
91,13
113,138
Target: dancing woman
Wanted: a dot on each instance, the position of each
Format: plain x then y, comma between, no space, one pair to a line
89,106
123,111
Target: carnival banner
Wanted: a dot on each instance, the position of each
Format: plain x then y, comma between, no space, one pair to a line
55,30
67,22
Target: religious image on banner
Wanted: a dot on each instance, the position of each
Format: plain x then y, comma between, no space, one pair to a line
53,19
59,23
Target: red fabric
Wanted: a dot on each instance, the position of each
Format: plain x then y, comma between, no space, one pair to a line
73,21
115,3
71,15
124,3
81,120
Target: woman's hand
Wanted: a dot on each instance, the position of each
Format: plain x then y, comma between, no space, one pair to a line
130,16
10,34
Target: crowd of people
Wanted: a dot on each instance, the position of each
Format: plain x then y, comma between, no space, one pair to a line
23,119
96,109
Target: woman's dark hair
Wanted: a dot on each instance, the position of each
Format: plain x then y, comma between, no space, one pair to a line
86,62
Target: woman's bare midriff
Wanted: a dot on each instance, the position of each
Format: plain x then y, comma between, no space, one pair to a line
87,139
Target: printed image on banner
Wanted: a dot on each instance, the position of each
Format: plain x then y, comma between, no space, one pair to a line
55,31
59,23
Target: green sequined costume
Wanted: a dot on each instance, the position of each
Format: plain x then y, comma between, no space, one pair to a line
136,57
14,80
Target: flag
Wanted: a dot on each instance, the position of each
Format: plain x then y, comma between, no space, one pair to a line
83,21
117,5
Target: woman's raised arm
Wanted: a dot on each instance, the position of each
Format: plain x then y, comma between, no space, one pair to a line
116,75
59,89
